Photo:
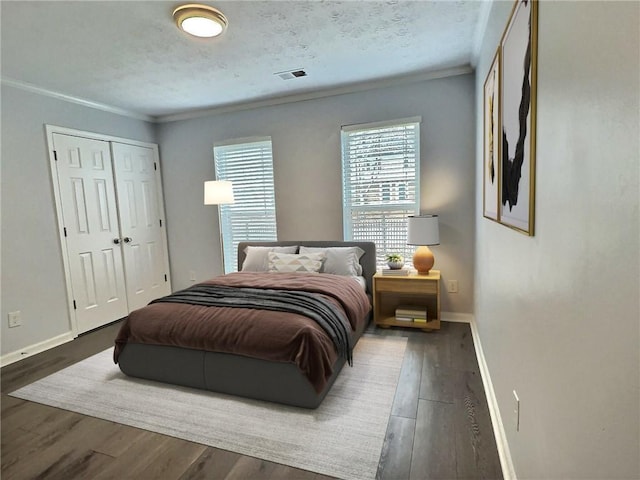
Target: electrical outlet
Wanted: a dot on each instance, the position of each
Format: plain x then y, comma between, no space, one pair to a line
516,411
192,275
15,319
452,286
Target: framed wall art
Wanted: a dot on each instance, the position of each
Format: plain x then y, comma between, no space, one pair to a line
518,52
491,157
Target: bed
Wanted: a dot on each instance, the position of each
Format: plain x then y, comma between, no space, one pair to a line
253,352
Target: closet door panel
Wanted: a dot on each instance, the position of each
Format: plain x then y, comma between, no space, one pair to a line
88,202
139,201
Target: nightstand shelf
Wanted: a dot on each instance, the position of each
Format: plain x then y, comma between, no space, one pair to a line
421,290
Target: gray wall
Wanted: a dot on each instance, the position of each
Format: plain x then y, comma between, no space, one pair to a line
558,313
32,271
307,170
306,143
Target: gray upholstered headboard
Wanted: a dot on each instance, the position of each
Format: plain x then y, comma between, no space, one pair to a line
368,259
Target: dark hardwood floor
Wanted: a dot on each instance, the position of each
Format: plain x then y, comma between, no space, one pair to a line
439,427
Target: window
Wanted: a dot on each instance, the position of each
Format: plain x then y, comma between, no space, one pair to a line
248,164
381,183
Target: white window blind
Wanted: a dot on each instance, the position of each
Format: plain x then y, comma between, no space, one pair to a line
381,183
252,217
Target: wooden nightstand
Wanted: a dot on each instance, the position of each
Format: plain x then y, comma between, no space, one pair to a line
389,292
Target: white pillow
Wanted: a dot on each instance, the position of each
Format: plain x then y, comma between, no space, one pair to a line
340,260
257,259
286,262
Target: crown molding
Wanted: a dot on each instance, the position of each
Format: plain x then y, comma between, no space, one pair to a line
70,98
330,92
481,28
186,115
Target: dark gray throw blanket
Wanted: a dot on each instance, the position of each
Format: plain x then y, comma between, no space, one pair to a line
311,305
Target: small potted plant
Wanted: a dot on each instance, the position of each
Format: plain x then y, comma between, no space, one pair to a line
395,261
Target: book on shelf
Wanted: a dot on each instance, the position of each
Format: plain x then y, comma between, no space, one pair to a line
398,272
412,311
411,320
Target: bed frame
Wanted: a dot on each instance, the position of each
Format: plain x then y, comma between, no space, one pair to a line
235,374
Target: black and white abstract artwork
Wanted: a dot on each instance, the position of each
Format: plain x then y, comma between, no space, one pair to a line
491,159
518,70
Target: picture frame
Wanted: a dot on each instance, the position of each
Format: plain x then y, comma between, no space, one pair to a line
518,72
491,142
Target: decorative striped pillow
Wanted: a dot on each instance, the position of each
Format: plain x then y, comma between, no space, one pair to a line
286,262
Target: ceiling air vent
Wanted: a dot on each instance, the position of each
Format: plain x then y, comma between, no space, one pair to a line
289,74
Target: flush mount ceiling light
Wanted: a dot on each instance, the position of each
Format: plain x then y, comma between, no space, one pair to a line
200,20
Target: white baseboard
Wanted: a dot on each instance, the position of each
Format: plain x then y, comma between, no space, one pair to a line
13,357
456,317
496,419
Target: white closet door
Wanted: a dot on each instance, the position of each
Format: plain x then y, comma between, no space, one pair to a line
137,186
89,211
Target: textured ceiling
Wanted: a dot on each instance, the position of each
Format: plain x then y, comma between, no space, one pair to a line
130,55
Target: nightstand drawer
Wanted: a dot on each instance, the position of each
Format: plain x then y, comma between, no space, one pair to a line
406,285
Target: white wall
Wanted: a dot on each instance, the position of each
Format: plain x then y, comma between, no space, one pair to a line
32,272
558,314
307,170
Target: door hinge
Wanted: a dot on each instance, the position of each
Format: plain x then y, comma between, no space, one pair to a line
75,307
55,155
65,231
160,222
165,277
155,167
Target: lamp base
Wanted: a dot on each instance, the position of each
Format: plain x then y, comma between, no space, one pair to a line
423,260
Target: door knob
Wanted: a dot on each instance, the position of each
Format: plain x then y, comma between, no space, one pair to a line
116,241
127,239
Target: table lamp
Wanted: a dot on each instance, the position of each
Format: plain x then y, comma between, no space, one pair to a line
423,231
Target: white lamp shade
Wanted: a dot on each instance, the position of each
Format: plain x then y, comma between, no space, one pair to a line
423,230
218,192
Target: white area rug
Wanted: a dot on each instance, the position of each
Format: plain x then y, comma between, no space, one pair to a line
342,438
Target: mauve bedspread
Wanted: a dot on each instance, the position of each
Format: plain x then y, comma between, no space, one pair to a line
267,335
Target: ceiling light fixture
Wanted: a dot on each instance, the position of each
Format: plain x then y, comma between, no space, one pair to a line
200,20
